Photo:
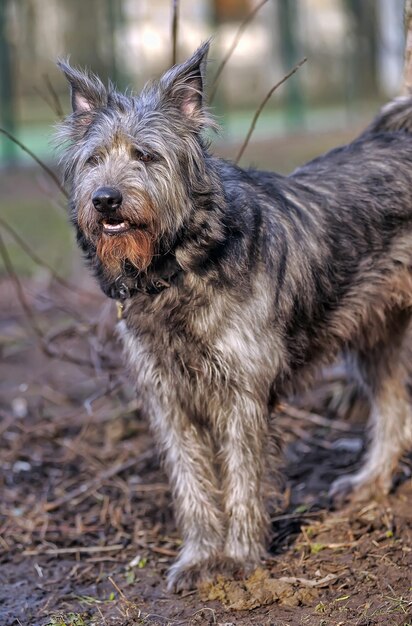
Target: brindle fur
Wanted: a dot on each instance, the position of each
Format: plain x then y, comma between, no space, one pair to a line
236,285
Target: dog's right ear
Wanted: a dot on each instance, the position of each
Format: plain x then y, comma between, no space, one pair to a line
183,85
87,90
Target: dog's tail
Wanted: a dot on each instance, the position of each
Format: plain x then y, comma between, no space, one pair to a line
397,115
394,116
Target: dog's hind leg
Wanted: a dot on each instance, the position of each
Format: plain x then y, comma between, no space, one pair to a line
383,371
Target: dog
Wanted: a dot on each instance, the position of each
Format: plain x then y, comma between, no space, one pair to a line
235,285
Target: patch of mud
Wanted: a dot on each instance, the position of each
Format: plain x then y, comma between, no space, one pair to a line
260,589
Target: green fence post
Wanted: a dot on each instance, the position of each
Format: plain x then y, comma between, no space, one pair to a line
7,104
289,46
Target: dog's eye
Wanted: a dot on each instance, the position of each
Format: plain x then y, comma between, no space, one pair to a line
92,160
141,155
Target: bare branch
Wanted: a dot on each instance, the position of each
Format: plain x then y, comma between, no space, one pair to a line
26,248
50,97
48,171
175,24
45,98
56,104
262,105
233,47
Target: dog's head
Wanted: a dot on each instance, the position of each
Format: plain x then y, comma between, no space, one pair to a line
133,163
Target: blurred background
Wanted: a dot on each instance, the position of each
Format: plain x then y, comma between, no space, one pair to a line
355,57
78,468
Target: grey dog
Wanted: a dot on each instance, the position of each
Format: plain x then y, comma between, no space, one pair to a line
235,285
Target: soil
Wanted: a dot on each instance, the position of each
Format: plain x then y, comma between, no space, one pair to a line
87,531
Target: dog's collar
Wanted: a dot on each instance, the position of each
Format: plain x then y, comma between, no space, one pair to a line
143,284
149,286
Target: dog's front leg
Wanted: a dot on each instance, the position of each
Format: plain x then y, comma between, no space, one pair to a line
243,454
188,455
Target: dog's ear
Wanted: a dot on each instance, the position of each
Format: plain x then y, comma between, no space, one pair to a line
183,84
87,90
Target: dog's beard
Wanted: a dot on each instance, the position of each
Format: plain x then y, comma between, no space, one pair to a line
135,246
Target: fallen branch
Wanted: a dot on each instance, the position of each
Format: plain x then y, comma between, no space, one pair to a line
305,582
84,549
163,551
298,516
313,418
262,105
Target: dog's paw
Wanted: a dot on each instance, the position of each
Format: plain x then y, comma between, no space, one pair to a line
341,489
188,576
360,487
229,567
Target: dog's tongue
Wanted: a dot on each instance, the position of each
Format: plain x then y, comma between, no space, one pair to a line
114,228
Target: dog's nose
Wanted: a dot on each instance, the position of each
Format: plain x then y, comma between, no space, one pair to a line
107,199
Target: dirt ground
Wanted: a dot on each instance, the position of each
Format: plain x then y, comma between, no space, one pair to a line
86,524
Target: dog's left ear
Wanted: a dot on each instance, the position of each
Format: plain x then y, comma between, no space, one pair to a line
183,84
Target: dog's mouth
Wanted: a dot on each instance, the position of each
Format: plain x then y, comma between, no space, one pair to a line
115,227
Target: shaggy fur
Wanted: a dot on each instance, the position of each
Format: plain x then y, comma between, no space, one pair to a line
236,284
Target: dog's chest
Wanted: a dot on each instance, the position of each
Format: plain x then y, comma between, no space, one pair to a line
179,344
220,345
